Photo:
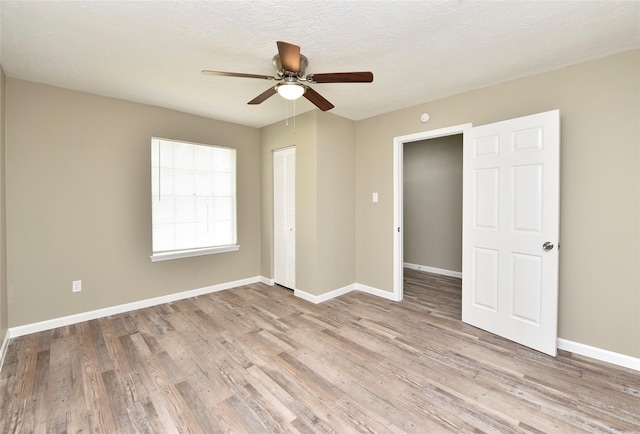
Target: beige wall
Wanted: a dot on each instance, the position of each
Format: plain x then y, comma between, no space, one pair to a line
336,195
432,195
325,178
78,202
599,106
4,315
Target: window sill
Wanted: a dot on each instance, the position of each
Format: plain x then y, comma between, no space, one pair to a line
178,254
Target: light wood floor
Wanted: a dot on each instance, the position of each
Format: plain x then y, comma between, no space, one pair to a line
257,359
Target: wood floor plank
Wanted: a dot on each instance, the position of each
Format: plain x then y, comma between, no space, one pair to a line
60,381
180,412
224,412
280,401
257,359
198,407
97,403
252,405
117,404
100,346
114,346
24,382
137,401
156,409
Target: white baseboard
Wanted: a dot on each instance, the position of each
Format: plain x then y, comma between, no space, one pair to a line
101,313
267,281
434,270
4,347
377,292
344,290
323,297
599,354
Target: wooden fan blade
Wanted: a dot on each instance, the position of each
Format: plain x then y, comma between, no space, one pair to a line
342,77
317,99
289,56
263,96
237,74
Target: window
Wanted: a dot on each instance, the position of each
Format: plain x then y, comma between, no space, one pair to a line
193,194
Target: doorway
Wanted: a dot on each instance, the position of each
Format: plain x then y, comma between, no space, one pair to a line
432,191
398,199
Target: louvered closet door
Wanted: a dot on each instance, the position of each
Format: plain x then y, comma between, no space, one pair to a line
284,217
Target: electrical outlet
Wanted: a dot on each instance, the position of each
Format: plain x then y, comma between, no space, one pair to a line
76,286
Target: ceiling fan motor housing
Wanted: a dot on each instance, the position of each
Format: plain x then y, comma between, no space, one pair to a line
304,62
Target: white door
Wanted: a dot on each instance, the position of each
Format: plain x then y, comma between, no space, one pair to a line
511,229
284,217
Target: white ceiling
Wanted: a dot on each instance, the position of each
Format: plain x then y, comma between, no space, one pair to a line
419,51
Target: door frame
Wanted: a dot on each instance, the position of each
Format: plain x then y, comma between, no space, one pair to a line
398,198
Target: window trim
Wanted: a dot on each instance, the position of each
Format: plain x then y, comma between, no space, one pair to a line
189,253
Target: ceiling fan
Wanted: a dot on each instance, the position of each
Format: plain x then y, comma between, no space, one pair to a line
290,68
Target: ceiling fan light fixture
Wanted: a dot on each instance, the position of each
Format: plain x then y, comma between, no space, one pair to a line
290,68
290,91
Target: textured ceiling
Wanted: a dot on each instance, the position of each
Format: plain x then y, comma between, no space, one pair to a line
152,52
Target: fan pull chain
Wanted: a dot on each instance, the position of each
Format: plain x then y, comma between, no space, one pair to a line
159,174
286,122
286,112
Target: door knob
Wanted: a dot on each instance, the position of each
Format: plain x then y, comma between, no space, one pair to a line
547,245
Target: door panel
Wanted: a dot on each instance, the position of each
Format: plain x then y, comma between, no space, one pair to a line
511,208
486,190
527,287
527,205
486,278
284,217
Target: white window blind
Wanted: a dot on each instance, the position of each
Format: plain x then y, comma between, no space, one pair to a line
193,197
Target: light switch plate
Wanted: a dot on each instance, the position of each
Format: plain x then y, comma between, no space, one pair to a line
374,197
76,286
